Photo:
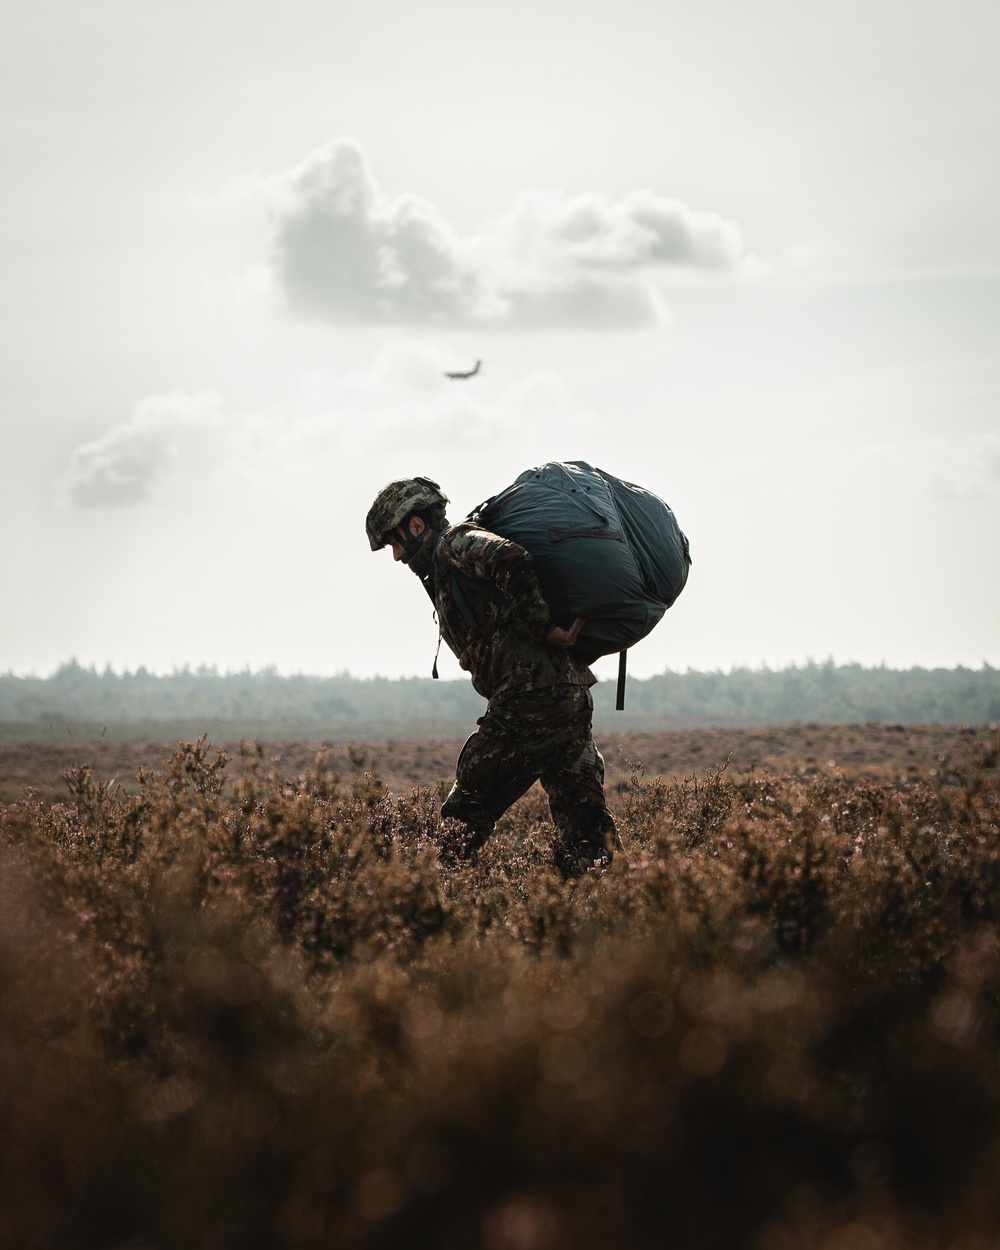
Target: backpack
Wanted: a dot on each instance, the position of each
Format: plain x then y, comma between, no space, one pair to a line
603,549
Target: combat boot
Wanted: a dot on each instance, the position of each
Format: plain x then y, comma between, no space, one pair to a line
592,849
460,844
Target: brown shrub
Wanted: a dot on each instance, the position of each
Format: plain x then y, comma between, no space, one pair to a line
255,1011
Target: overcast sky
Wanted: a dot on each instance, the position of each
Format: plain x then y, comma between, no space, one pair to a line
743,252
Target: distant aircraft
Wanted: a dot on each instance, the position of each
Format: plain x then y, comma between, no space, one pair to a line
471,373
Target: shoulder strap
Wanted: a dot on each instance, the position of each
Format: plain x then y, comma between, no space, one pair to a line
460,584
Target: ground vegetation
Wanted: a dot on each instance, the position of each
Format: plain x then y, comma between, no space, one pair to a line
243,1006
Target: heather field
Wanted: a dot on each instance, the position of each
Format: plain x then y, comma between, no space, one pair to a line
243,1005
117,752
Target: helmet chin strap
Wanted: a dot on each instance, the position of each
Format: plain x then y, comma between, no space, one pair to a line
409,543
410,549
418,554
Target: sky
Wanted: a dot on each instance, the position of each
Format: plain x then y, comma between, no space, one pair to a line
744,254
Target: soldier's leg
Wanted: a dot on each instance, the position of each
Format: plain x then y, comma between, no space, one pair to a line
585,829
491,775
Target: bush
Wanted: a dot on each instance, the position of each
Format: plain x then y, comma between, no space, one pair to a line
255,1011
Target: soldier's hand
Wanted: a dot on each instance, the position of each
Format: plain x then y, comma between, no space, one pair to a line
558,637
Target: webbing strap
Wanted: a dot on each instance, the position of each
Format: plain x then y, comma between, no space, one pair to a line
457,581
620,701
463,607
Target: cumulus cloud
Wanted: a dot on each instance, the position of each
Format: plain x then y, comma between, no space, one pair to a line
345,252
121,466
337,425
944,468
402,402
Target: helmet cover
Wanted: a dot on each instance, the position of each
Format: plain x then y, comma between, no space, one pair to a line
395,502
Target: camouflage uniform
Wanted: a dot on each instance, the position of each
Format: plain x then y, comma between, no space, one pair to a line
538,719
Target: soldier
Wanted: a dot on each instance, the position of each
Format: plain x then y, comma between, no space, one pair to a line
537,725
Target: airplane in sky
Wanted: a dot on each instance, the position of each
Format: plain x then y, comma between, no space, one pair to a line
470,374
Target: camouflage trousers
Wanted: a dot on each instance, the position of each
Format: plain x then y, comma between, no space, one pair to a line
543,735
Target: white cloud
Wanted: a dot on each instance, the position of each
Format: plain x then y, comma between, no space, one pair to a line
163,432
402,403
945,469
593,232
345,252
338,425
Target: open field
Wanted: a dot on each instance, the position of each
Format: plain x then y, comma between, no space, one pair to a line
875,749
244,1006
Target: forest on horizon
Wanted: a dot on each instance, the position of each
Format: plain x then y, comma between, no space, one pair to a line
813,691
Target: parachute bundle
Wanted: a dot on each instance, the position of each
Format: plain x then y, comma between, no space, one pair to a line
603,549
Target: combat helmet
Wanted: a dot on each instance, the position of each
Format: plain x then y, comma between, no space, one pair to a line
395,502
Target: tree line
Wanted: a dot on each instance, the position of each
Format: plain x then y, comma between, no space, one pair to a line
814,691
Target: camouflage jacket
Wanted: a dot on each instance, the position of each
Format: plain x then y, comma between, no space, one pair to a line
493,617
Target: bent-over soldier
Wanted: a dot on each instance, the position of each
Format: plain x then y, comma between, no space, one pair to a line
538,720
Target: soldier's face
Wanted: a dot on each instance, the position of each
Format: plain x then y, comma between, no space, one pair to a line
399,537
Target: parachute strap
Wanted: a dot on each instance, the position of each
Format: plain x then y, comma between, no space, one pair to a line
620,700
460,585
434,670
461,601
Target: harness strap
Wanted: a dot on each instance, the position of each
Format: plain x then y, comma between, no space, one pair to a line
461,601
456,582
620,700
